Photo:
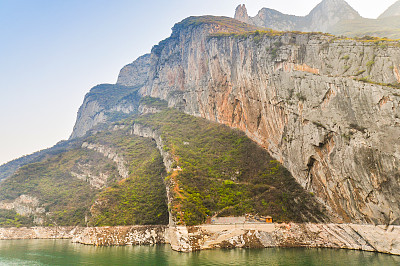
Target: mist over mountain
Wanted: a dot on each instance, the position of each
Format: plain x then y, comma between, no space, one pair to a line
330,16
393,10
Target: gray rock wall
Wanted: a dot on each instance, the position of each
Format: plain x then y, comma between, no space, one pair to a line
135,74
383,239
346,236
297,96
122,235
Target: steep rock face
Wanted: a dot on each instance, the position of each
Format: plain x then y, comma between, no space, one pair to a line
108,102
24,205
135,74
110,154
322,18
393,10
296,95
241,14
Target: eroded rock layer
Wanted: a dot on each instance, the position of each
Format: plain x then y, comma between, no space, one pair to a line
185,239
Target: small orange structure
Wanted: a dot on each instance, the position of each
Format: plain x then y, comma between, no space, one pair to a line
268,219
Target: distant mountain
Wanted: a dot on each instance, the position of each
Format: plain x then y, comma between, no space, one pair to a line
393,10
331,16
322,18
388,27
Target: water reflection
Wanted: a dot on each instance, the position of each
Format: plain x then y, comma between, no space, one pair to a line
63,252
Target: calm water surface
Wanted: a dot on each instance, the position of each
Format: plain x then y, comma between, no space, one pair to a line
63,252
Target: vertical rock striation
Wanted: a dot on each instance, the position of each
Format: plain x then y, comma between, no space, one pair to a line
299,96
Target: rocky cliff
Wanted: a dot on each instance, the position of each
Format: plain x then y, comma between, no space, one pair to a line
108,102
327,108
186,239
319,104
194,238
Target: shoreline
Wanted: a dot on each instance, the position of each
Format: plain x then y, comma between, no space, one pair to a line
379,238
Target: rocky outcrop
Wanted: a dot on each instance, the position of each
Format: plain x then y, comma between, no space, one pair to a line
110,154
122,235
383,239
147,132
322,18
25,205
346,236
89,115
298,95
103,103
135,74
145,109
97,181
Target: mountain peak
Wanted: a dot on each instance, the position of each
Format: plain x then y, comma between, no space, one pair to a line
241,13
340,7
328,13
322,18
393,10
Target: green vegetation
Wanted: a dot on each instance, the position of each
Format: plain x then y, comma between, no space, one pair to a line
218,171
9,218
66,198
301,96
139,199
225,173
367,79
228,24
359,73
225,24
153,102
108,95
370,64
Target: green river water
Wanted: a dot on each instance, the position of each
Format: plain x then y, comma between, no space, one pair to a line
63,252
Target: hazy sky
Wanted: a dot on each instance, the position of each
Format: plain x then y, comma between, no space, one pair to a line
53,51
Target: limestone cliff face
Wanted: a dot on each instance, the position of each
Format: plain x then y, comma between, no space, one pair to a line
347,236
106,102
297,96
135,74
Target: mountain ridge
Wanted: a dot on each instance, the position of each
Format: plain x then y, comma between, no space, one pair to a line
320,19
393,10
330,16
311,108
